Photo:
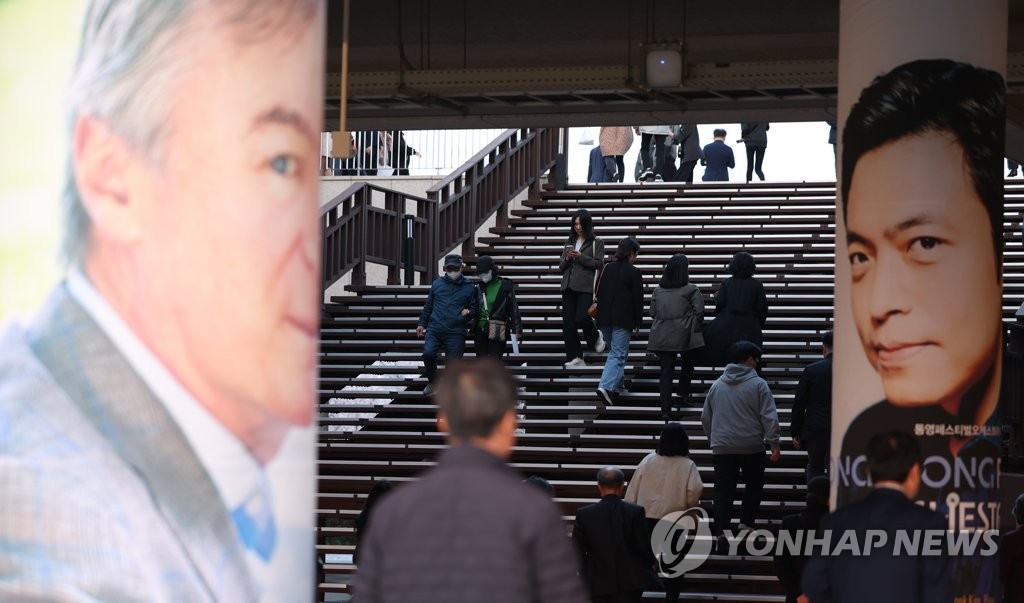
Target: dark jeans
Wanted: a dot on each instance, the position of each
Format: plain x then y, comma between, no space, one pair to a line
575,317
615,168
673,586
817,455
482,346
668,365
727,473
659,152
685,173
755,157
454,345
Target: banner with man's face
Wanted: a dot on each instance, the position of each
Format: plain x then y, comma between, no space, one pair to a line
919,254
158,414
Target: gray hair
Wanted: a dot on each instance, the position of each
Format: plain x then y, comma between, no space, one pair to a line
475,395
132,53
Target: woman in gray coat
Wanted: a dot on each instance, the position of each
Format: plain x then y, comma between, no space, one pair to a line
581,260
677,307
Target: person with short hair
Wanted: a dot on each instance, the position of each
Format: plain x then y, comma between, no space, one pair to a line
664,482
739,418
158,414
811,422
718,157
580,264
469,529
613,544
894,460
789,567
620,304
499,311
741,310
1011,557
450,309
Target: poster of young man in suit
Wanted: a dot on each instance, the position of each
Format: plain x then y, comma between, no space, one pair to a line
919,259
157,415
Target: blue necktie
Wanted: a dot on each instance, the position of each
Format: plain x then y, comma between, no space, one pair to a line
255,522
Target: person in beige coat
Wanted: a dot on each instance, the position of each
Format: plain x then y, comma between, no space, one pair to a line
615,141
667,480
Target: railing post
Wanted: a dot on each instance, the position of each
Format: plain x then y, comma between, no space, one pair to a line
392,201
359,270
409,249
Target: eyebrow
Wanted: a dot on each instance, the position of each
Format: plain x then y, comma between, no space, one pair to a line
286,117
890,233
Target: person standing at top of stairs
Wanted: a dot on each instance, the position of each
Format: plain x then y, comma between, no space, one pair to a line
718,158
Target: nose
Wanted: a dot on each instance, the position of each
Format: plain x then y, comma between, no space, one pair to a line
890,294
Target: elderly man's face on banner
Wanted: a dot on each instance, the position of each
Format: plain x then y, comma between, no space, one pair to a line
925,285
221,220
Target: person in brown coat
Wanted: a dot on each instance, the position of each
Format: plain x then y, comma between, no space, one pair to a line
615,141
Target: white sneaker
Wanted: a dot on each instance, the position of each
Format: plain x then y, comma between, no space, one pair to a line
575,362
601,344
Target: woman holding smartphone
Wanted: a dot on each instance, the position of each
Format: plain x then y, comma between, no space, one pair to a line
582,259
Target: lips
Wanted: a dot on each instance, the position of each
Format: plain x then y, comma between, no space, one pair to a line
891,354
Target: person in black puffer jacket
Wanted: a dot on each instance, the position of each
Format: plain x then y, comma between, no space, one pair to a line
497,301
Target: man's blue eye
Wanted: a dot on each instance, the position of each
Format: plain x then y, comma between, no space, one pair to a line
283,164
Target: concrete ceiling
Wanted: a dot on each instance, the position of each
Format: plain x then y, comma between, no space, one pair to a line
417,64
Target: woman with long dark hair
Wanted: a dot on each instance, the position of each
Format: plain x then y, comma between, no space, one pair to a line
667,480
677,307
741,309
582,259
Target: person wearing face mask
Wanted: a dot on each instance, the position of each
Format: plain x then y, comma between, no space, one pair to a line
499,311
448,311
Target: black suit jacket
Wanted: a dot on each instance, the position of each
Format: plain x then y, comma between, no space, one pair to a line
880,577
719,158
614,547
812,407
620,296
1011,565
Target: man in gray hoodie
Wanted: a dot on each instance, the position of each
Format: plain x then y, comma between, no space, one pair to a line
739,416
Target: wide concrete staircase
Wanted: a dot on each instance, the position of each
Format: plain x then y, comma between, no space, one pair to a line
377,424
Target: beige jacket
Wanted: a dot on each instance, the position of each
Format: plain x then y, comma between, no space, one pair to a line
663,484
615,140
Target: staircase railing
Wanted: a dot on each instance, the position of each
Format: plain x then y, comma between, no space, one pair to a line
366,223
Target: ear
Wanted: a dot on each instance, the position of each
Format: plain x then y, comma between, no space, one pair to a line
913,481
442,423
102,161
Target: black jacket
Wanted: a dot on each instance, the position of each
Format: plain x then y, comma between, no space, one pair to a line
812,406
505,307
741,309
614,547
620,296
788,567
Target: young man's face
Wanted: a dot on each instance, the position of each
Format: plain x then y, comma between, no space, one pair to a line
926,291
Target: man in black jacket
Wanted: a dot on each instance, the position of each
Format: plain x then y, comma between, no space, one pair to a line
812,411
611,537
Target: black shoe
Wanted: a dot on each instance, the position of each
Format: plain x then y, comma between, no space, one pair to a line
428,390
1012,174
604,396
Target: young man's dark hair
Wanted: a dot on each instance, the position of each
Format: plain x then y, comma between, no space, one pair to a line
826,339
741,350
891,455
474,395
673,441
935,95
719,133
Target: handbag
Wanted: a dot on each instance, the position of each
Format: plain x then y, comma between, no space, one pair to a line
497,330
592,310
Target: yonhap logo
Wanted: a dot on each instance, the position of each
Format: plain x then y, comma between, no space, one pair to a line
682,541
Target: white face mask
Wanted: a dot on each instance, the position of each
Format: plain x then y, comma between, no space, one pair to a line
487,276
454,274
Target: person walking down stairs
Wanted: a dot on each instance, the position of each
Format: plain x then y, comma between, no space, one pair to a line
450,308
581,259
499,311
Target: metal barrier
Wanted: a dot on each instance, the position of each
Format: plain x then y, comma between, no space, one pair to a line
404,152
366,223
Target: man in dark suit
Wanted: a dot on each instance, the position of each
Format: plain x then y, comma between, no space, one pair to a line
612,540
718,158
894,459
812,411
1011,557
789,567
469,530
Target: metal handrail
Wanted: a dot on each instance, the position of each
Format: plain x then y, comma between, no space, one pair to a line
356,231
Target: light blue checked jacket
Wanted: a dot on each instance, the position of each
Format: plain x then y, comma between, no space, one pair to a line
101,497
